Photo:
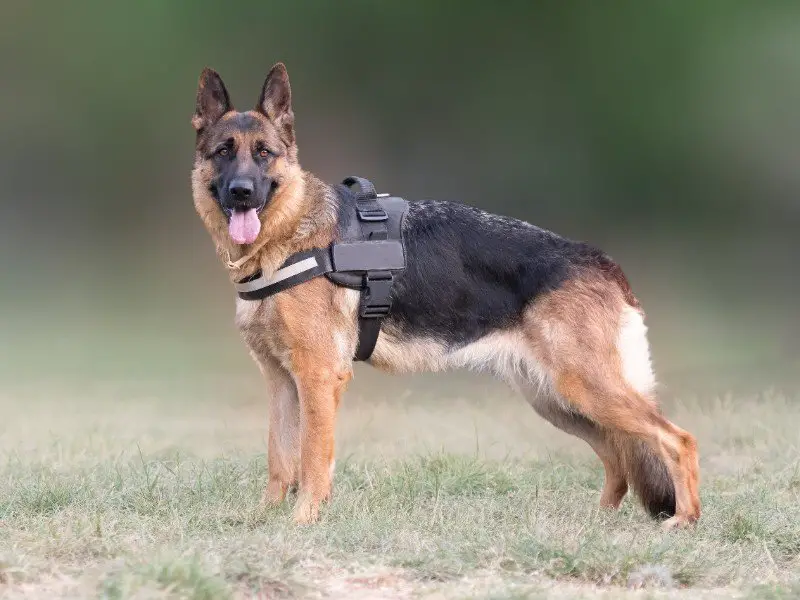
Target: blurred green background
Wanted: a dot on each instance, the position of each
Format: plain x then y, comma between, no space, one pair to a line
667,133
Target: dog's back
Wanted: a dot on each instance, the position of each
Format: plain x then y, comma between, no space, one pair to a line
471,272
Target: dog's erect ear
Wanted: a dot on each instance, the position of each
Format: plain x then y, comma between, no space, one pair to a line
212,100
276,99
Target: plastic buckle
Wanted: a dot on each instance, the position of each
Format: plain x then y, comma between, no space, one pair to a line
376,299
372,214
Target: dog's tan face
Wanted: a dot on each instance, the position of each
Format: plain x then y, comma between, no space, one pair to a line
245,164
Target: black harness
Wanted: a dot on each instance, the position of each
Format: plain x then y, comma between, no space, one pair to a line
368,255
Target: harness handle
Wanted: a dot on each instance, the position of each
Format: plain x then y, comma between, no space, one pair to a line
368,208
367,188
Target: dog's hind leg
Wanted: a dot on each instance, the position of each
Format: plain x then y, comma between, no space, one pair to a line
508,354
590,340
552,409
633,417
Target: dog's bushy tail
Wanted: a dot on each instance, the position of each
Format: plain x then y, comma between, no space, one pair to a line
649,477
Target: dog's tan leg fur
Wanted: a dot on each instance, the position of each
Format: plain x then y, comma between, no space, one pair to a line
283,445
574,332
615,486
317,343
320,388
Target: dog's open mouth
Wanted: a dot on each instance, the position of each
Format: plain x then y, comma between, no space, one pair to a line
244,225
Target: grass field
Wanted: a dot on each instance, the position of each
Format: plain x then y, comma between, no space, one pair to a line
445,488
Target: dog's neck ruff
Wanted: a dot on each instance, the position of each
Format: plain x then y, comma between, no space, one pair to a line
368,255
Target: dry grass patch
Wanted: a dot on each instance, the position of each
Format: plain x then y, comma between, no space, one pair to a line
101,496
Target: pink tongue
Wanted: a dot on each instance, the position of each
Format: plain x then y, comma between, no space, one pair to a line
244,226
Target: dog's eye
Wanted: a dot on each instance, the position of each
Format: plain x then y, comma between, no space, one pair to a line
223,151
263,153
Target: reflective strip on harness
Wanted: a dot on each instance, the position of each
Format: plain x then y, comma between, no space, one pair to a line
298,268
284,273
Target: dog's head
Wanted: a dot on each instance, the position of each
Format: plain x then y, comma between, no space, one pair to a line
244,161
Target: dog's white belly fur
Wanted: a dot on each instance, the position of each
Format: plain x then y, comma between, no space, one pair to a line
504,354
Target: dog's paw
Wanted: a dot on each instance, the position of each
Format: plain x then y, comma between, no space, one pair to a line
274,494
306,511
678,522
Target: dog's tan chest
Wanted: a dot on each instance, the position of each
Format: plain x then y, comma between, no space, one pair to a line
257,322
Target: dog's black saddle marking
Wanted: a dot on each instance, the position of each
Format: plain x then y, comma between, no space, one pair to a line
367,256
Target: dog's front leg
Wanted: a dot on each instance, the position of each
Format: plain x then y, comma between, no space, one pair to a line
319,388
283,457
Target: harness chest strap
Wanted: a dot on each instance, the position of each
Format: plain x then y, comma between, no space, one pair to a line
366,258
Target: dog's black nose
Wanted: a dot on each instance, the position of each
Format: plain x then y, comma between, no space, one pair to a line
241,189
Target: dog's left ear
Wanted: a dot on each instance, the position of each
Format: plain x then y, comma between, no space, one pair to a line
276,100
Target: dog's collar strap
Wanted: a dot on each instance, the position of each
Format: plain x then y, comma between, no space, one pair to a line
366,258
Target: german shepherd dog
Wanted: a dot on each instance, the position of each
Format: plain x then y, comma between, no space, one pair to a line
554,318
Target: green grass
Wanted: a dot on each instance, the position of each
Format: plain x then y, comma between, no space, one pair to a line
117,493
